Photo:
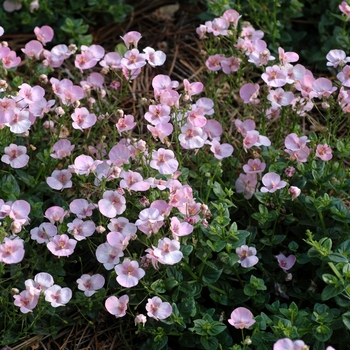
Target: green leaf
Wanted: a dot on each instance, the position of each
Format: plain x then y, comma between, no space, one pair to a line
331,291
346,319
211,273
219,192
186,249
249,290
322,332
170,283
187,308
210,344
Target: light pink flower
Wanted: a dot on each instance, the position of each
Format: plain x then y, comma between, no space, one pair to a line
126,123
294,191
83,119
192,88
58,296
81,208
43,233
286,57
61,149
161,130
213,63
221,151
345,8
26,301
44,34
324,152
12,250
129,273
55,214
154,58
247,256
230,64
108,255
19,211
60,179
117,306
81,229
90,284
112,204
272,183
254,166
287,344
143,319
164,161
131,38
178,228
11,60
337,57
41,282
241,318
33,49
232,16
286,263
249,93
133,59
15,156
275,76
61,245
246,184
168,251
244,127
158,309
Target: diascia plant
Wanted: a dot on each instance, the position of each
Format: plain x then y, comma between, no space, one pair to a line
138,217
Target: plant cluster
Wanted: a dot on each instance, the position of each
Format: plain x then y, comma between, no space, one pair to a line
157,220
69,19
311,28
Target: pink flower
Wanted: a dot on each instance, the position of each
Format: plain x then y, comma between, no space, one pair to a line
272,183
26,301
286,263
44,34
83,119
133,181
241,318
244,127
154,58
19,211
161,130
247,256
90,284
168,251
58,296
81,229
117,307
246,184
11,60
143,319
192,88
61,245
249,93
213,62
33,49
337,57
129,273
43,233
133,59
158,309
131,38
294,191
12,250
126,123
112,204
289,171
60,179
286,57
254,166
232,16
55,213
345,8
61,149
164,161
108,255
150,221
287,344
221,151
41,282
16,156
344,76
275,76
179,229
81,208
324,152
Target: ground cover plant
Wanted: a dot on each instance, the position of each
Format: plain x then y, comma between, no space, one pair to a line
215,219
